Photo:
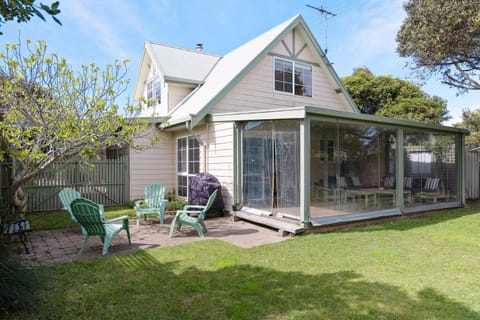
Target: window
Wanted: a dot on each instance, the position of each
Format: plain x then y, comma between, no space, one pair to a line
154,91
188,162
293,77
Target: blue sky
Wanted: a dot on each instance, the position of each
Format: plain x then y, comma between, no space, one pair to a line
361,34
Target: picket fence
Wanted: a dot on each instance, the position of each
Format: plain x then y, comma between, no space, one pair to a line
105,182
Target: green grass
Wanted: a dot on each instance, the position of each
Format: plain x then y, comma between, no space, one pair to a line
59,219
425,268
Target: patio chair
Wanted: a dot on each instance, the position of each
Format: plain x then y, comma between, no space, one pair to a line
388,182
432,190
154,203
66,196
90,216
185,216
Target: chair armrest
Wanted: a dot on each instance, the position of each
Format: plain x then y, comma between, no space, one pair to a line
117,219
188,207
164,203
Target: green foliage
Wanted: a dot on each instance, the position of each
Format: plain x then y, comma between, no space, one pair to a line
471,121
51,112
17,283
442,37
24,10
174,202
131,203
394,97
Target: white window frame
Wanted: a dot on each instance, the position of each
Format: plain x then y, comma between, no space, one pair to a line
154,94
294,67
187,161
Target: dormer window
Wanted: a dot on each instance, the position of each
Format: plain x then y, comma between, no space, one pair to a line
154,91
293,77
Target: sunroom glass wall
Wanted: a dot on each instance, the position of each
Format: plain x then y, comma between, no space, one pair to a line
349,164
430,168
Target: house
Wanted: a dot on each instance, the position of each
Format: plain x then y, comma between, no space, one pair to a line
273,122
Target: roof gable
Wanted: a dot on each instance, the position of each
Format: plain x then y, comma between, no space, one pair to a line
175,64
182,65
232,67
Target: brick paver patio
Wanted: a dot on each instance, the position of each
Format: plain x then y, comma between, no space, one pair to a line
48,247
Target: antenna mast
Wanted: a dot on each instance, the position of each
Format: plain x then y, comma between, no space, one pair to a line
325,13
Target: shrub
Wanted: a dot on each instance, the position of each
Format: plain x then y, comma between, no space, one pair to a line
17,283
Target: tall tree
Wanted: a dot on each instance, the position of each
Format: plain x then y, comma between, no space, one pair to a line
50,112
24,10
442,37
471,121
394,97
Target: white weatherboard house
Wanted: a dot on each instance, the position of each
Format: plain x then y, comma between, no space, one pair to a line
273,122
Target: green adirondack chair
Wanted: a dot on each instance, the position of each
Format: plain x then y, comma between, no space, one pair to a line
154,203
90,216
66,196
185,216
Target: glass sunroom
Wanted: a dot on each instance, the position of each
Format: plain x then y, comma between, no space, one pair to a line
322,167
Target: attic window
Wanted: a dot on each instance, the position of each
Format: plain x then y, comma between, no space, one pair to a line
293,77
154,91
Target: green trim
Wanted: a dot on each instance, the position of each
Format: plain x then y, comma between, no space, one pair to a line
281,56
431,207
175,80
261,114
300,51
354,217
329,115
293,42
399,170
237,167
460,164
286,48
383,120
305,149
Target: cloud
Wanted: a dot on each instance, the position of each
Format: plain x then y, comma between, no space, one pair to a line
100,23
375,39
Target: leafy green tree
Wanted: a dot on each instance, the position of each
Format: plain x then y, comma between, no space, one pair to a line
471,121
51,112
394,97
442,37
24,10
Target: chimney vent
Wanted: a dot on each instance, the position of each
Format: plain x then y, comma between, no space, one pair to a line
199,47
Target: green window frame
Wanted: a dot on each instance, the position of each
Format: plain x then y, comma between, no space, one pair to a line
293,77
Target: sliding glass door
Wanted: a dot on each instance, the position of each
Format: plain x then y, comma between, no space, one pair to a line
258,166
287,168
271,167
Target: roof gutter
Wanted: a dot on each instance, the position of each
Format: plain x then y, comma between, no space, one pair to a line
188,125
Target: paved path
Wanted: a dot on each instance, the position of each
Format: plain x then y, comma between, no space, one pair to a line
49,247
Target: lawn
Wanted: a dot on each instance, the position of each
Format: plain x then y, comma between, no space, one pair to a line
425,268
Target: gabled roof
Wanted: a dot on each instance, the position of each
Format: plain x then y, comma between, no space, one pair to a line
182,65
231,68
214,76
175,64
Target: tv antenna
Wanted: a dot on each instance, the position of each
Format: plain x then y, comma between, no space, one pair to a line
324,12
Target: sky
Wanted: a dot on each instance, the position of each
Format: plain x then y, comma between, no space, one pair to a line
361,34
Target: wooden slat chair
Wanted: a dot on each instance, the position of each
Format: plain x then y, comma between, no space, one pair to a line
66,196
185,216
432,190
154,203
90,216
